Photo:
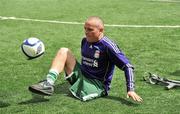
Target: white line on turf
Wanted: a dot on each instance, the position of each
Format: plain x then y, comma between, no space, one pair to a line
78,23
175,1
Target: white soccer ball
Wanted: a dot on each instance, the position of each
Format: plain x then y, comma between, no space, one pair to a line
33,47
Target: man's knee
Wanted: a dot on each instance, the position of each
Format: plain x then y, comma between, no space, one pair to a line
63,50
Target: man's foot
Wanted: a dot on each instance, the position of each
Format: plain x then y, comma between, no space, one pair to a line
42,88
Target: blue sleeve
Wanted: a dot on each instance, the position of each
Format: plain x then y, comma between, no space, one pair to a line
117,57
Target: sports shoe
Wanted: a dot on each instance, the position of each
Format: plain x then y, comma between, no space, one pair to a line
42,88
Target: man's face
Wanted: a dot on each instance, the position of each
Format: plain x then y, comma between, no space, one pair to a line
92,32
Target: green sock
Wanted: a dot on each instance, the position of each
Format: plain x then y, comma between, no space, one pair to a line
52,76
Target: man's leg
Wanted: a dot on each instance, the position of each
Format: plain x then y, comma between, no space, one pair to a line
64,59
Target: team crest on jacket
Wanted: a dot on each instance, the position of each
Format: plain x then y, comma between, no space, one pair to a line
97,54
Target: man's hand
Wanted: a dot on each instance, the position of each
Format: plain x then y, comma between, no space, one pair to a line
134,96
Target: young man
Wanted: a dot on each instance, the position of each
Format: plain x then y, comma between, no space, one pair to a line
93,76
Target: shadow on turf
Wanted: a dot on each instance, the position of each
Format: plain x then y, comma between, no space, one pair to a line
33,100
122,101
63,88
3,104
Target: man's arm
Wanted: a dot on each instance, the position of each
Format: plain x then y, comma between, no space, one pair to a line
129,74
128,69
119,59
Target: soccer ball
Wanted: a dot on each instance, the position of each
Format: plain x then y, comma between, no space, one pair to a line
33,47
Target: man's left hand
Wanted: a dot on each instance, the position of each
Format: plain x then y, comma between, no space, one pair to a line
134,96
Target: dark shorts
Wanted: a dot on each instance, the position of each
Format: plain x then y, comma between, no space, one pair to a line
82,87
